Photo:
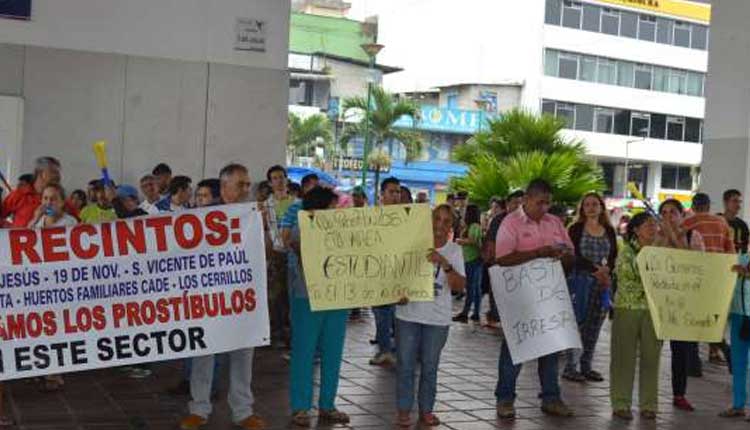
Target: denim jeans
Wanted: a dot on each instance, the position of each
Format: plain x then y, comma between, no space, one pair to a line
474,271
508,373
240,397
424,342
384,320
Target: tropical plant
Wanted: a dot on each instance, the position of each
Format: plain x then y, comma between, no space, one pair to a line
385,110
305,134
519,147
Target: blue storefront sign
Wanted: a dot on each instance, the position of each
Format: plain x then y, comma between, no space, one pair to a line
447,120
17,9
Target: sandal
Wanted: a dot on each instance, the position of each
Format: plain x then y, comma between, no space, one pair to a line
648,415
301,419
623,414
333,416
593,376
732,413
403,419
429,419
574,376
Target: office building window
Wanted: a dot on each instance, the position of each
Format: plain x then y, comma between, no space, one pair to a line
622,122
678,82
548,107
695,84
591,17
606,71
301,92
552,12
588,68
661,79
682,34
647,28
675,128
571,15
628,24
640,124
664,30
693,130
625,73
604,120
566,112
584,117
550,62
568,66
699,38
676,177
643,74
658,126
610,22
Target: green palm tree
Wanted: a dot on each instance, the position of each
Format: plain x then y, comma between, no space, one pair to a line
385,111
304,135
520,147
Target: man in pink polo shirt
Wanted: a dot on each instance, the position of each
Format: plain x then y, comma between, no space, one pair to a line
525,235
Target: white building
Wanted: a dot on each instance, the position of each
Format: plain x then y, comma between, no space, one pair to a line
627,75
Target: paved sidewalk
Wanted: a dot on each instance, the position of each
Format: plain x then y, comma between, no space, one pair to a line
108,400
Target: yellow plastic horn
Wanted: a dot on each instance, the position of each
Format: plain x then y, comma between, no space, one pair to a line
100,151
635,191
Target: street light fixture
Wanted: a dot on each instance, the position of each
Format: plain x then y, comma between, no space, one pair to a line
372,50
644,134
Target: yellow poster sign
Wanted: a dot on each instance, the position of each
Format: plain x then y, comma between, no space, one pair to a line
367,256
688,292
677,8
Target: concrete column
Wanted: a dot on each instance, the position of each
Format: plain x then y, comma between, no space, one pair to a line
726,147
653,182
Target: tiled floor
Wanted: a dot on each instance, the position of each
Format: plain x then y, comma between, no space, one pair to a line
468,372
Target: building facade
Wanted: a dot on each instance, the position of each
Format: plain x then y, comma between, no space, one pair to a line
627,76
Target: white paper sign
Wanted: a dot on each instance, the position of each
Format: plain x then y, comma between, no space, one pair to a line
144,289
535,309
250,35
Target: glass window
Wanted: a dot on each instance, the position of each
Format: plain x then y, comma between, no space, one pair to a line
548,107
622,122
628,24
695,84
664,30
610,22
591,17
678,82
661,79
640,124
566,112
700,37
684,178
606,71
675,128
658,126
604,120
625,71
668,176
647,28
643,75
568,66
550,62
571,16
588,68
682,34
552,13
584,117
693,130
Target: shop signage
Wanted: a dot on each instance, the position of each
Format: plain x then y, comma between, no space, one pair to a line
355,164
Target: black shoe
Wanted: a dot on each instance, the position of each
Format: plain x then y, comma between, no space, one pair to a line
462,318
474,318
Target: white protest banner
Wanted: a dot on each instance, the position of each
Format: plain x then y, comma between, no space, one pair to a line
139,290
535,309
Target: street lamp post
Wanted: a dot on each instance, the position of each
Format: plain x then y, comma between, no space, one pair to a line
372,50
643,133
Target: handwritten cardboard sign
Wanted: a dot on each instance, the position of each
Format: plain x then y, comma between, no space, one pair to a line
362,257
688,292
535,309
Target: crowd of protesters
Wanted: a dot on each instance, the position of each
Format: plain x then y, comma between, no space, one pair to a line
599,259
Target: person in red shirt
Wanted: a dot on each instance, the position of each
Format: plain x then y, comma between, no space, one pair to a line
19,206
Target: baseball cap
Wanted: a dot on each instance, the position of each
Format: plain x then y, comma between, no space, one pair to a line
125,190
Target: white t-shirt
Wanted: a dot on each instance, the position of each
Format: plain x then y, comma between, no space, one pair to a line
149,208
438,312
65,220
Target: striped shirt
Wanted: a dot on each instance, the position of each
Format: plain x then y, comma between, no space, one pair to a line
716,234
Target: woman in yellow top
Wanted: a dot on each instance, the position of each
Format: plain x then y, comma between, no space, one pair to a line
471,242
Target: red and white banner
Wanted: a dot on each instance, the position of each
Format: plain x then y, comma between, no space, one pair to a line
139,290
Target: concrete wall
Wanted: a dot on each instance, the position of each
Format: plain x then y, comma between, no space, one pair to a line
158,79
350,80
